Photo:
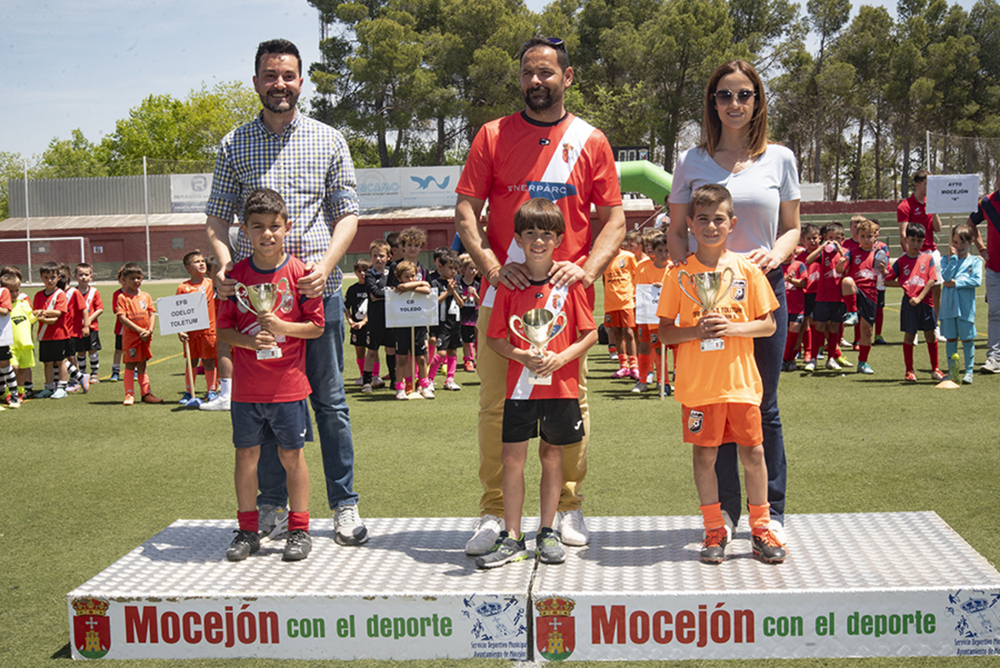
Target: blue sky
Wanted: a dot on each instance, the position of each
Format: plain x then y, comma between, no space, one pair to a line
85,64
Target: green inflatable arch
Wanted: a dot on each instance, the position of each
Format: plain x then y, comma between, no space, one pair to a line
644,177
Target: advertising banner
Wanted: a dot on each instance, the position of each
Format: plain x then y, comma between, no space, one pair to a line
406,187
189,192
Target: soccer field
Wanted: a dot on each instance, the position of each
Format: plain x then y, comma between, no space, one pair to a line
89,479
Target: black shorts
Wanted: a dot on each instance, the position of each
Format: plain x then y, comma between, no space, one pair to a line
55,351
866,308
284,424
402,335
449,335
810,307
919,318
557,420
90,343
829,312
118,341
796,318
468,333
5,353
359,337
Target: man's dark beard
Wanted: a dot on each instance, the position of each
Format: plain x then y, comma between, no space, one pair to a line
536,104
275,109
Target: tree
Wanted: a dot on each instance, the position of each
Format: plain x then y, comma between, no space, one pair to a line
71,158
11,167
758,25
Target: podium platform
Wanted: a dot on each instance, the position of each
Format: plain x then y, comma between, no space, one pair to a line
878,584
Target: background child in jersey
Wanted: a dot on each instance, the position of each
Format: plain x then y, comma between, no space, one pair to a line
469,287
717,381
201,343
551,411
356,313
633,244
829,310
619,312
22,348
50,309
8,379
117,359
378,336
810,258
220,399
962,274
796,279
136,310
650,272
449,323
914,272
266,413
76,322
432,278
90,344
860,265
407,275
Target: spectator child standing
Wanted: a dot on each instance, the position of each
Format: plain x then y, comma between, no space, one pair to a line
77,324
90,345
551,411
8,379
137,313
469,287
356,306
50,309
22,348
829,311
860,264
651,271
201,344
378,335
619,312
408,279
962,274
449,331
796,279
116,361
811,239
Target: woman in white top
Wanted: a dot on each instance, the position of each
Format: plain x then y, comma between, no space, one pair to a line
763,180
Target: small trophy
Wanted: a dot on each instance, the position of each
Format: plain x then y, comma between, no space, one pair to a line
265,298
708,286
538,326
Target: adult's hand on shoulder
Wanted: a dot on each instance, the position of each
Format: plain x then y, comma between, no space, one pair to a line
565,273
514,275
766,259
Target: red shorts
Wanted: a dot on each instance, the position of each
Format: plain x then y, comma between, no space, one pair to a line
624,319
712,425
201,344
647,334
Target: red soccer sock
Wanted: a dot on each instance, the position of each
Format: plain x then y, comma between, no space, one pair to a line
645,364
633,362
129,379
807,339
248,520
622,360
711,516
144,383
932,348
760,516
791,343
878,321
298,521
832,338
851,302
451,365
908,356
863,353
817,343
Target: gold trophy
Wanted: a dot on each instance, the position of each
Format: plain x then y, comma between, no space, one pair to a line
538,326
265,298
708,288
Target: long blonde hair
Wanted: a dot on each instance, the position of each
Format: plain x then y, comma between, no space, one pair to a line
711,126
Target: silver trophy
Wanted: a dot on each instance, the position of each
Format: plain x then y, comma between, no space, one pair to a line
538,326
262,299
707,286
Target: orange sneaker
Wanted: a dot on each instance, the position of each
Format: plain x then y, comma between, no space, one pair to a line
150,399
937,374
910,377
129,400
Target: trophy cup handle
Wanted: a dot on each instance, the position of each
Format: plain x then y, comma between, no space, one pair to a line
727,270
517,327
680,283
286,296
243,297
557,325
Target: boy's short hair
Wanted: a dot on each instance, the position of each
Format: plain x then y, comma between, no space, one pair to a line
48,268
449,257
12,269
361,264
413,236
916,231
539,214
464,260
658,240
963,232
865,225
264,201
131,269
380,244
127,265
921,175
710,195
11,281
808,228
404,267
82,265
632,237
439,252
833,226
189,257
857,218
392,239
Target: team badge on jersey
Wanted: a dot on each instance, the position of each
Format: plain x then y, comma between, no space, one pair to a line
739,291
695,421
544,141
142,304
539,295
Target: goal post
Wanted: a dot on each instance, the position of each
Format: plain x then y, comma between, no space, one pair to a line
29,253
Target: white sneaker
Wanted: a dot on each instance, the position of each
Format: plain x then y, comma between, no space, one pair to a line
220,403
832,364
377,383
992,365
359,381
348,527
450,384
427,392
272,523
639,388
572,529
484,536
811,365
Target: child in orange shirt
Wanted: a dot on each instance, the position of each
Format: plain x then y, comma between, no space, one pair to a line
137,314
650,272
200,343
619,312
717,381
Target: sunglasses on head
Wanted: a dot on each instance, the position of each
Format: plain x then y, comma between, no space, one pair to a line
742,96
554,42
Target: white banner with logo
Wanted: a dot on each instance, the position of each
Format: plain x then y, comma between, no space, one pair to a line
647,298
406,187
189,192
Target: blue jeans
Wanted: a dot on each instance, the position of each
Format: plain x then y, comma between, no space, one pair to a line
325,369
767,353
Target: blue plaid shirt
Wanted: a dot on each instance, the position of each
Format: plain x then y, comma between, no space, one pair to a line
309,164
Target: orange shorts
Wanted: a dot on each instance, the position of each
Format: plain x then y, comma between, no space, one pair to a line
712,425
625,319
647,334
201,344
134,349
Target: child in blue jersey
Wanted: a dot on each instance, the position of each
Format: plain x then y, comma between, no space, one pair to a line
962,274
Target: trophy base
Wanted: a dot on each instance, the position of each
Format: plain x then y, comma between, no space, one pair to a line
712,344
535,379
269,354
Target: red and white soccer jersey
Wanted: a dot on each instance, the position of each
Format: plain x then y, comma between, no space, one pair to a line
56,331
513,160
94,303
76,312
729,375
6,330
829,278
912,211
861,267
572,301
201,342
282,379
138,308
913,273
795,297
114,309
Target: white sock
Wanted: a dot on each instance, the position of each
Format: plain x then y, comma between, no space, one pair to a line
225,387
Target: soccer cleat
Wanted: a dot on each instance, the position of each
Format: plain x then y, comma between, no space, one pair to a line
427,392
789,365
150,398
450,384
910,377
548,549
129,400
14,402
219,403
992,365
484,535
811,365
843,361
297,546
349,529
878,341
195,403
359,381
469,366
85,384
713,548
401,394
851,319
667,390
506,550
94,379
767,547
572,529
639,388
966,380
272,522
844,343
73,388
59,394
634,373
622,372
245,544
866,368
114,377
832,365
377,383
185,399
366,388
937,374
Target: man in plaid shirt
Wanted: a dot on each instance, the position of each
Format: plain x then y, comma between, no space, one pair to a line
309,164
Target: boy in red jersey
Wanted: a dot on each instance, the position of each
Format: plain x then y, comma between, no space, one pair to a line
915,273
89,343
829,310
861,265
137,313
538,230
810,239
796,279
717,381
650,273
76,322
50,309
200,343
266,413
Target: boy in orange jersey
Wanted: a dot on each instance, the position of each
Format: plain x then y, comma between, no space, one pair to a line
649,275
717,382
137,314
619,312
200,343
116,360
